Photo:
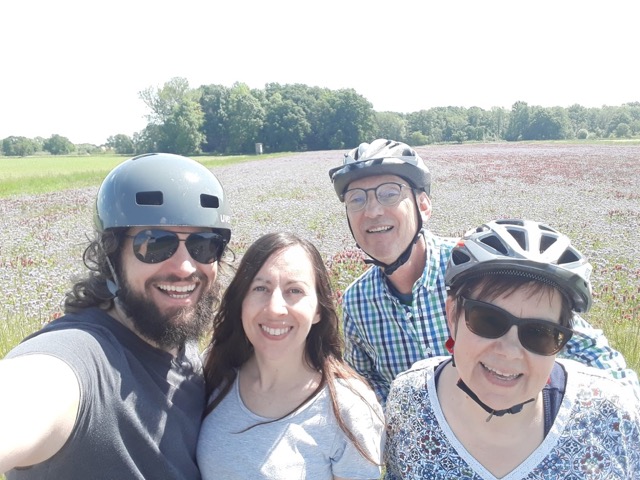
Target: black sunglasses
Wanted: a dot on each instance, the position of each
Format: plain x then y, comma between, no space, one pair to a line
155,245
541,337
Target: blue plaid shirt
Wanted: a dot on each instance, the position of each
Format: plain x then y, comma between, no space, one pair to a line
384,337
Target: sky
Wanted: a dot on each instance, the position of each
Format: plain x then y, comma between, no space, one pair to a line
75,67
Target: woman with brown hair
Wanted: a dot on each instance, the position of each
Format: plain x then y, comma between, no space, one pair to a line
282,403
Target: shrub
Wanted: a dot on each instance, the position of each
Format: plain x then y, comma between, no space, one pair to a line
582,134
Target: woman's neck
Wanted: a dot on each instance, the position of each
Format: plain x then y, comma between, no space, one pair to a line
279,374
272,389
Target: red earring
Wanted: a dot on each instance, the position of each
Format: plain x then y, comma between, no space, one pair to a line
449,345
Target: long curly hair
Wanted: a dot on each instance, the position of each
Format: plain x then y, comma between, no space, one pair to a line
230,348
92,290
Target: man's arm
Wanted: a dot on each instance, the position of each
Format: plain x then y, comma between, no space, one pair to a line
38,408
588,345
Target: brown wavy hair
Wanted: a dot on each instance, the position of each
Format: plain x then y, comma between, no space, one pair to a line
92,290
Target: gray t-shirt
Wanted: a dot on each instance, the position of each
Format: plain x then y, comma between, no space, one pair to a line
308,444
140,408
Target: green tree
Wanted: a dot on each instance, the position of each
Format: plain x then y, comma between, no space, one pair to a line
623,130
88,149
547,124
181,132
633,108
578,118
162,101
176,112
145,141
122,144
390,125
353,118
321,120
621,115
318,110
417,138
285,126
19,146
430,123
246,117
454,120
58,145
214,101
497,120
518,122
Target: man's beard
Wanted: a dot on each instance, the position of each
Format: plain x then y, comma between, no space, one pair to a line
169,328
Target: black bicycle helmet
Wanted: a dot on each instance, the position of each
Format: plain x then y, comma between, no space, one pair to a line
161,189
525,248
381,157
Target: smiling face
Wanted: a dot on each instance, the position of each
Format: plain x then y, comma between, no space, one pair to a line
385,232
167,302
501,371
281,305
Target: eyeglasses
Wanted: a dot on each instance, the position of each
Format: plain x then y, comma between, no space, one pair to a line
155,245
387,194
541,337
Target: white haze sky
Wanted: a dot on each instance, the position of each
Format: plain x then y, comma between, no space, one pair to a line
75,67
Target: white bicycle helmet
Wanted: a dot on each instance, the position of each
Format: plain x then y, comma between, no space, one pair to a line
381,157
524,248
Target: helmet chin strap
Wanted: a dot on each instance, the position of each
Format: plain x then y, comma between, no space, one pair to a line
113,285
492,412
401,260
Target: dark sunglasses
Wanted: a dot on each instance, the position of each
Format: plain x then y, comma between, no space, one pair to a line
155,245
541,337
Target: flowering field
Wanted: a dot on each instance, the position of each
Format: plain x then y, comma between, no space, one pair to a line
589,191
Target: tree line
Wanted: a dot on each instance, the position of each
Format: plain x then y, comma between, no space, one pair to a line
215,119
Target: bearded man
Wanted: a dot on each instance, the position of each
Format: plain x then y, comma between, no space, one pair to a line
114,388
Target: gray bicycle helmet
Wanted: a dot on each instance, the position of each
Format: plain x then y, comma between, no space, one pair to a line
381,157
161,189
524,248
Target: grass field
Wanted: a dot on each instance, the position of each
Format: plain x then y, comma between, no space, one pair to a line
47,173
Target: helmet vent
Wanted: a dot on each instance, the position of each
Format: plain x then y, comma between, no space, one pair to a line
546,241
458,257
209,201
568,256
149,198
510,222
519,237
494,243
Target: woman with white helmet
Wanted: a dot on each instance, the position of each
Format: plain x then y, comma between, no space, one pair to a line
503,405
